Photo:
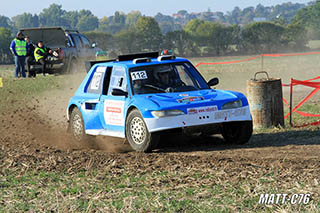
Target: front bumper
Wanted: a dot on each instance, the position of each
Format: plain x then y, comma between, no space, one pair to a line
195,119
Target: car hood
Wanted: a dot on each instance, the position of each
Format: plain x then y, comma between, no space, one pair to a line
184,100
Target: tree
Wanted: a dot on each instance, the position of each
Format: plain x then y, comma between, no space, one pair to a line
26,20
88,23
103,24
53,16
262,37
72,18
181,41
104,40
295,36
5,39
127,41
309,17
148,33
4,22
132,18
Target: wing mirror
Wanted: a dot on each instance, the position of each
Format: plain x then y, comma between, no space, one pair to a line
213,82
119,92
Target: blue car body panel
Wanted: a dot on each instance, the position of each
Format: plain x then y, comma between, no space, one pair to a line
105,114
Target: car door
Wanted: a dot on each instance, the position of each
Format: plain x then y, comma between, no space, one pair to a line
90,106
114,107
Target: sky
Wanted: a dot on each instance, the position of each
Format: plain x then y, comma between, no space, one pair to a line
102,8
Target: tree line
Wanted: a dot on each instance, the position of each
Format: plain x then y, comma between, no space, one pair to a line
203,35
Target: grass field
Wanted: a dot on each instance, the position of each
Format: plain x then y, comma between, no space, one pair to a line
36,177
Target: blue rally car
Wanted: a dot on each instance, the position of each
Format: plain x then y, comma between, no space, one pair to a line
142,96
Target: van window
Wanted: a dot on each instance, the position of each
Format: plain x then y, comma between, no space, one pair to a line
85,41
76,40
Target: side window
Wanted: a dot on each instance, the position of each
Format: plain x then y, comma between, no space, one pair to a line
95,85
118,79
69,42
184,76
85,41
76,40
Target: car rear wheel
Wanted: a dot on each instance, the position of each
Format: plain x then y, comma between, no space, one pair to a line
140,139
238,132
76,127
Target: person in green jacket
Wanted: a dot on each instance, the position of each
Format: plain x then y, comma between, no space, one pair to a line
19,48
40,55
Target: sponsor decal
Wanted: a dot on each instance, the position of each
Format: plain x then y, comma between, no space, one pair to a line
199,110
190,99
113,112
183,95
230,113
113,109
192,111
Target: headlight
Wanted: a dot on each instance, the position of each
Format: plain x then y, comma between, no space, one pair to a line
166,113
233,104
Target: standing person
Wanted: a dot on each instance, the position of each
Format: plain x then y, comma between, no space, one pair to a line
30,57
40,54
19,48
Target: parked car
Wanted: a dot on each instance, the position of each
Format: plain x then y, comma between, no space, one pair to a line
72,47
140,97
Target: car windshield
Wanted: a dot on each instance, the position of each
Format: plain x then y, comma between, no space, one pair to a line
166,78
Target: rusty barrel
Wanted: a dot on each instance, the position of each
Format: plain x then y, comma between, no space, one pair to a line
265,101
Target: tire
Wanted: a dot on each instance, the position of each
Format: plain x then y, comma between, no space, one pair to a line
140,139
238,132
76,127
73,67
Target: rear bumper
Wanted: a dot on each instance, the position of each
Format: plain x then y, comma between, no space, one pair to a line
51,66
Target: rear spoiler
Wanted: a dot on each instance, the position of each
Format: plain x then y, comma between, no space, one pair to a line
129,57
89,64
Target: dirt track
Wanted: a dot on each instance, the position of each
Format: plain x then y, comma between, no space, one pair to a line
34,138
42,123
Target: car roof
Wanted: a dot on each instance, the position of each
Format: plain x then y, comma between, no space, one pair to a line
130,63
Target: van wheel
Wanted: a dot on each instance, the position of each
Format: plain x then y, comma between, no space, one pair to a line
140,139
238,132
73,67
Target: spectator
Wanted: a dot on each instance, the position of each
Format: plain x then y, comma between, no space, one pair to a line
30,57
19,48
40,54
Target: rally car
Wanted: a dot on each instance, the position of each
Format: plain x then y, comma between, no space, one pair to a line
143,96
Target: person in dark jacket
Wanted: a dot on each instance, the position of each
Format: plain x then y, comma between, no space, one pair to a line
30,57
40,54
19,49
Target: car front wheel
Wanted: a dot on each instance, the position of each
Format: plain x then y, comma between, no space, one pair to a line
140,139
238,132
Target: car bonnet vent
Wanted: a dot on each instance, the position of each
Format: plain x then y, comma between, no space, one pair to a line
166,57
138,55
141,60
